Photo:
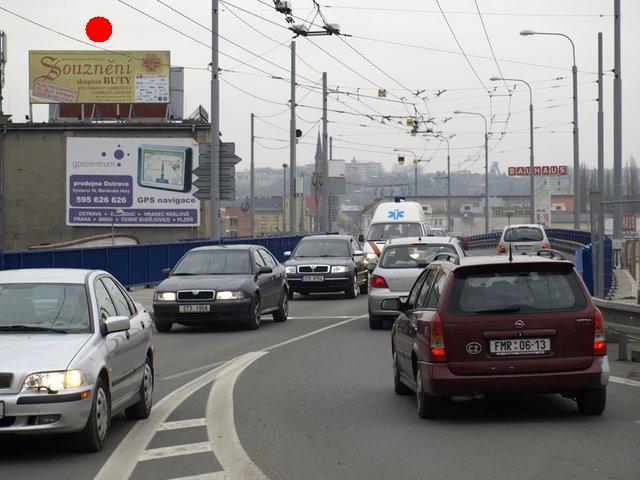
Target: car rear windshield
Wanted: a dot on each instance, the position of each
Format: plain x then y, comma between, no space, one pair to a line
215,262
44,306
387,231
322,248
523,234
523,290
412,256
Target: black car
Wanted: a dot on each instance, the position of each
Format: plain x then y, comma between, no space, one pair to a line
327,263
235,284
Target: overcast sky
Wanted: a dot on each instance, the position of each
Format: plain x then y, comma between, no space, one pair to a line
544,60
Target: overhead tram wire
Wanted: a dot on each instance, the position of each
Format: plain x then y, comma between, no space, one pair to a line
493,53
505,14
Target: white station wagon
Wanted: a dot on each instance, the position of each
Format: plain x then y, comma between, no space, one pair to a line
75,350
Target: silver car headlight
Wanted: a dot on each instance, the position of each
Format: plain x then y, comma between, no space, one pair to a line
339,269
290,270
372,257
229,295
166,296
54,381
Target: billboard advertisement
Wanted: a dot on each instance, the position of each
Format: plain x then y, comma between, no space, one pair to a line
78,76
137,182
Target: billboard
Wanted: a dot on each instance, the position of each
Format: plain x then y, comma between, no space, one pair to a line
539,170
137,182
78,76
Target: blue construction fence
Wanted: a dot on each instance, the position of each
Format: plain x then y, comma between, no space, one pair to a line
133,265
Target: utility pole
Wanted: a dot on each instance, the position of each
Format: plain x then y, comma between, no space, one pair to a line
292,146
486,177
215,128
253,179
329,220
324,223
617,134
284,199
598,243
577,207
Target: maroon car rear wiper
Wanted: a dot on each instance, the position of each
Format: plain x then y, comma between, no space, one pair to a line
510,309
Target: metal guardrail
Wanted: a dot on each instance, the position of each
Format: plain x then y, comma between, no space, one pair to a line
132,265
623,322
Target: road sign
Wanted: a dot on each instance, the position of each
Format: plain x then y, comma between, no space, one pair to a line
228,161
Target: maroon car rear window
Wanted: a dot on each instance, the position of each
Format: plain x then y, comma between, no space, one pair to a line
524,290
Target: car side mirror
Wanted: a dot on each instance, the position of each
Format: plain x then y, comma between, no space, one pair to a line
166,272
361,238
358,253
287,253
265,270
117,324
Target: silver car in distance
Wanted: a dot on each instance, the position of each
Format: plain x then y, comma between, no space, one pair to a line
400,264
75,350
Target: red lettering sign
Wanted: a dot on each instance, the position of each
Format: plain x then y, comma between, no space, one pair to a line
629,222
545,170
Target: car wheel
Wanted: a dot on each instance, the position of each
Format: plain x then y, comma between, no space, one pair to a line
398,387
375,323
142,409
92,438
592,402
364,288
163,327
352,287
429,406
255,316
282,313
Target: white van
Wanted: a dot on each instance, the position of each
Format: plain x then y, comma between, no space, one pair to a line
393,220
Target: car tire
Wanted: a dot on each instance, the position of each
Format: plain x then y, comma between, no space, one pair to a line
352,287
142,409
398,387
375,323
364,288
429,406
163,327
282,313
592,402
255,315
92,437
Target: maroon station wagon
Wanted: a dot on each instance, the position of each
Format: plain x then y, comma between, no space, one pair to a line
481,325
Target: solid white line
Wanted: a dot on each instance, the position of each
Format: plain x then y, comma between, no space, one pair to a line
193,370
335,317
625,381
175,451
124,458
177,425
206,476
221,428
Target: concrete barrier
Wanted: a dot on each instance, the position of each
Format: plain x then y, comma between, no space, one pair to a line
622,321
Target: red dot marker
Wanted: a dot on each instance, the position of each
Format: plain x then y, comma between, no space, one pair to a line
99,29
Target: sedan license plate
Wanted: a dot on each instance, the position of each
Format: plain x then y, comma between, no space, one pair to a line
313,278
520,346
525,248
195,308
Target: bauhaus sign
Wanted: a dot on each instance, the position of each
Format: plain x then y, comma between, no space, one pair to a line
540,170
78,76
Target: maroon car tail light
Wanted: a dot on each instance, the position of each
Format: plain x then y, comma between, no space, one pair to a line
437,348
599,341
378,281
502,248
546,245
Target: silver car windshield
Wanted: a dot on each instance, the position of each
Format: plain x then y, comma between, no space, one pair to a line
44,307
215,262
523,234
412,256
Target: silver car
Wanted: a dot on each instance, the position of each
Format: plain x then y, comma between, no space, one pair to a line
75,350
400,264
521,239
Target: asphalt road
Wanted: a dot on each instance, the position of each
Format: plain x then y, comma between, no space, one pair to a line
312,399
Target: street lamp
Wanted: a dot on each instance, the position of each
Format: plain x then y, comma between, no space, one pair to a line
284,198
486,165
416,161
576,131
449,223
117,213
532,206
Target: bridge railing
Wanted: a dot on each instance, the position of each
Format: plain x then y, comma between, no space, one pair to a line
132,265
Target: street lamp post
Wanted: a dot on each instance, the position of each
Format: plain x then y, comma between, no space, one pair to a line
442,137
416,161
532,177
486,165
284,198
576,131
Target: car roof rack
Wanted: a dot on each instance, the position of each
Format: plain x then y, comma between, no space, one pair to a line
447,257
554,254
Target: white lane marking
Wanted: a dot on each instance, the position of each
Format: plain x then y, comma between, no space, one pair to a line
175,451
625,381
179,424
336,317
221,428
205,476
315,332
124,458
193,370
